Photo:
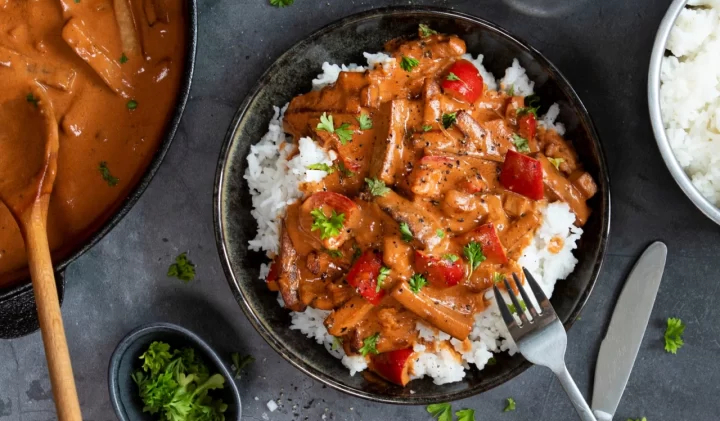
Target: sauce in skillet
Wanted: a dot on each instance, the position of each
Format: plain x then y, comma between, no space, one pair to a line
112,70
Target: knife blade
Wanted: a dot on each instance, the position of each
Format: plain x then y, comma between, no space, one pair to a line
625,332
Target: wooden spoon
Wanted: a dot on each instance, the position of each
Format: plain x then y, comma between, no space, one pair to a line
28,164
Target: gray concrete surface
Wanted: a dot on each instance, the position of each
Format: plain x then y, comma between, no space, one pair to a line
603,47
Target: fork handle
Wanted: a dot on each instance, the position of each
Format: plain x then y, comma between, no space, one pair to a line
574,394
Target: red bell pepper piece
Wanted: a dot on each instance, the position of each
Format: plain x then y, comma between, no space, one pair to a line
465,83
486,235
441,273
527,125
523,175
363,276
271,279
393,365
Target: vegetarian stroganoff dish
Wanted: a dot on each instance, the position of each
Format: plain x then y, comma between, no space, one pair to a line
392,197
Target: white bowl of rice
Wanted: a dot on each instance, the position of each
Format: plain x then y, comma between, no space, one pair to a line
684,99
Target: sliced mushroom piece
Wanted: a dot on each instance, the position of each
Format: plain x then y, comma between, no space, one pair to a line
127,25
289,275
423,224
45,73
387,156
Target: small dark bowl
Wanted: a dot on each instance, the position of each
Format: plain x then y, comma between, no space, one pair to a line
344,42
125,360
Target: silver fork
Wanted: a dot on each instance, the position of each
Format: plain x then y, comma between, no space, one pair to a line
541,339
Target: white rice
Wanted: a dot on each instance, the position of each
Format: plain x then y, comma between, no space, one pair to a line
690,95
275,181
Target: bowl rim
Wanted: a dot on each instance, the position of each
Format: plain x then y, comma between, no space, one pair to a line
143,330
221,239
676,170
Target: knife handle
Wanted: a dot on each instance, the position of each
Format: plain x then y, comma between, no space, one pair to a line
577,399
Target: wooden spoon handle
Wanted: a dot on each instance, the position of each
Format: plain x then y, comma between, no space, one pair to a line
51,324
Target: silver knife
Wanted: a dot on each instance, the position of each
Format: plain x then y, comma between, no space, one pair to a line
625,332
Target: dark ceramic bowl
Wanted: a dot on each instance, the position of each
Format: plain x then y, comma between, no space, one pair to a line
125,360
344,42
18,315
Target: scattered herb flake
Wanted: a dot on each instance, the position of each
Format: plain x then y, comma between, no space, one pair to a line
673,335
474,254
521,144
321,167
512,308
281,3
452,76
511,91
328,227
343,170
426,31
556,162
365,122
370,345
491,361
427,128
239,362
405,232
637,419
440,233
337,342
441,411
31,99
377,187
408,63
449,119
451,257
183,268
123,59
416,282
532,105
132,104
498,277
334,253
384,272
465,415
357,252
510,406
109,178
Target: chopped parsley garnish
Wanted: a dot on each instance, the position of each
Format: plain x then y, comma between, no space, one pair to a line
377,187
512,308
673,335
451,257
498,277
326,123
334,253
511,91
321,167
426,31
328,227
405,232
452,76
183,268
556,162
416,282
441,411
370,345
408,63
384,272
491,361
132,104
521,144
343,170
427,128
336,343
465,415
105,171
344,133
357,252
510,405
123,59
177,381
31,99
239,362
474,254
281,3
440,233
365,122
532,106
448,119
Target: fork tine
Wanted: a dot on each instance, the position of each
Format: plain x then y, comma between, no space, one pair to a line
539,294
528,303
518,308
504,310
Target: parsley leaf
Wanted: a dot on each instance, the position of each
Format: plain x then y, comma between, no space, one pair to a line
321,167
343,170
426,127
183,268
31,99
131,105
123,59
510,405
473,252
521,144
416,282
281,3
673,335
512,309
370,344
425,30
328,227
334,253
336,343
449,119
408,63
357,252
105,171
365,122
465,415
532,107
491,361
452,76
451,257
441,411
240,362
498,277
511,91
326,123
384,272
405,232
556,162
440,233
377,187
344,133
